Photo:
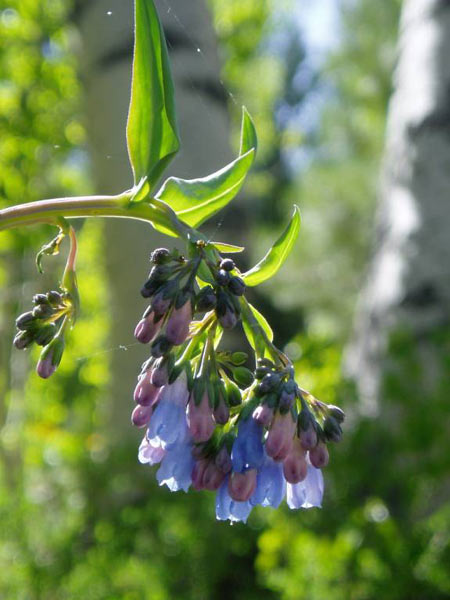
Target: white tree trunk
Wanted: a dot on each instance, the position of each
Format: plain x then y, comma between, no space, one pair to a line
408,286
107,33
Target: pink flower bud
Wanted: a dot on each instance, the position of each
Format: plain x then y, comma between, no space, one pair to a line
295,467
45,368
263,415
242,485
319,456
177,328
140,417
200,420
213,477
308,438
146,330
222,413
161,305
198,472
223,460
145,393
279,440
160,375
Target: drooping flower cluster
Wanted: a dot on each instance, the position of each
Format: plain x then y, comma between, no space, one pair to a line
210,422
44,326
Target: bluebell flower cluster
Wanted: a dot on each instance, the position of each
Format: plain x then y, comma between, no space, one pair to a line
253,438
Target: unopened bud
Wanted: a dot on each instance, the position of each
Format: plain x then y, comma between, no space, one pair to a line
160,256
45,334
54,298
177,329
23,339
160,346
243,376
242,485
140,417
233,393
337,413
332,429
25,321
206,299
239,358
227,264
319,456
222,277
237,286
263,414
42,311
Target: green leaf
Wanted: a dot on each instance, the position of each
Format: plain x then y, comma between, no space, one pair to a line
249,138
196,200
250,323
152,135
269,265
262,321
227,248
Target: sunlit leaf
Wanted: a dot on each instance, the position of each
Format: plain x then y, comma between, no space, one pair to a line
249,138
196,200
227,248
262,322
253,321
151,129
277,254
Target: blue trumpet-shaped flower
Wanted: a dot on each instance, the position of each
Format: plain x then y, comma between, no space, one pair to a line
308,493
229,509
248,450
176,468
270,484
151,451
168,421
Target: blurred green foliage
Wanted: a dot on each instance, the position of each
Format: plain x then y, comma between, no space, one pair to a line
80,518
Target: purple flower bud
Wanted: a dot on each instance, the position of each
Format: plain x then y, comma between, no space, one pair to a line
198,472
263,415
147,329
308,438
45,368
229,319
295,467
286,401
145,393
279,440
161,305
177,329
223,460
319,456
200,420
160,375
140,417
242,485
213,477
222,412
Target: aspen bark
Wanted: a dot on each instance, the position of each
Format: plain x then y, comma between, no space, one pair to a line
408,286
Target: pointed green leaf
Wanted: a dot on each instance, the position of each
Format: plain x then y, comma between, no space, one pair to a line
196,200
151,129
227,248
249,138
276,256
262,322
250,322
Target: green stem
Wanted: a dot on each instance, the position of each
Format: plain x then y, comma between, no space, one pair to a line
50,211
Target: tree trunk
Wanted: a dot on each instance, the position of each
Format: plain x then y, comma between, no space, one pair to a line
408,287
107,33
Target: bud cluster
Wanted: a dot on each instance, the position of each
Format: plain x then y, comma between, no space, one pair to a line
223,296
254,438
44,325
